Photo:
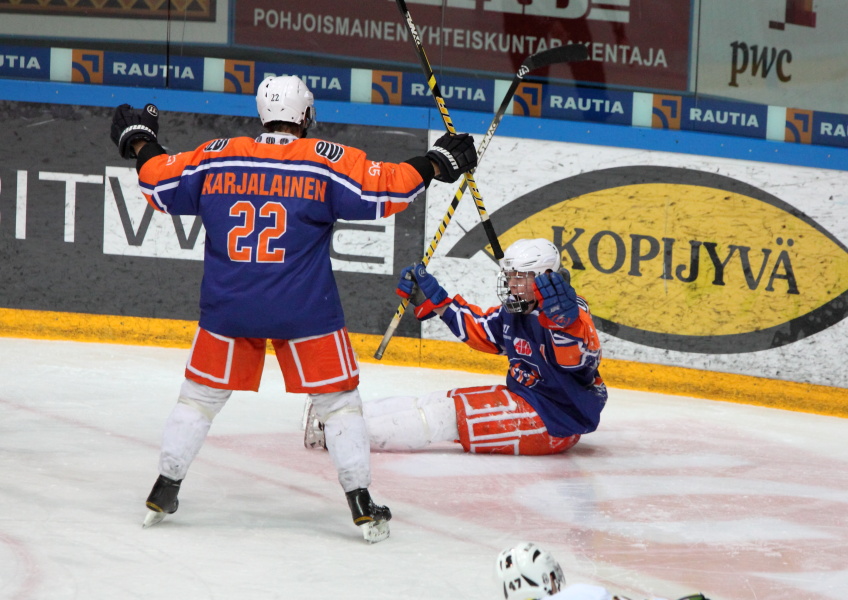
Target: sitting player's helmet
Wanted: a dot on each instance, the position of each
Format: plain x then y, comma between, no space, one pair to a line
527,572
522,261
285,99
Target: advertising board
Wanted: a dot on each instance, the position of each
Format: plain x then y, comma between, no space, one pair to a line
635,43
788,53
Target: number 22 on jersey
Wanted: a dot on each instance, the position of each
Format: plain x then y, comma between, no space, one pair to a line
237,247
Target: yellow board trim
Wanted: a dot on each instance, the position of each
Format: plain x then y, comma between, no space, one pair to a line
413,352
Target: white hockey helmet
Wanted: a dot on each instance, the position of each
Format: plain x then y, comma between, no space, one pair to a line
536,255
523,260
286,99
527,572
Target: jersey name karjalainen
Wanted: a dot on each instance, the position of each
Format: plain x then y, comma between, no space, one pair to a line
554,370
268,206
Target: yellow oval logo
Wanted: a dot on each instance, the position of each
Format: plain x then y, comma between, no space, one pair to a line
685,260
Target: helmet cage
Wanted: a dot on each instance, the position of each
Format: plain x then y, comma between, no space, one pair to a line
512,302
527,257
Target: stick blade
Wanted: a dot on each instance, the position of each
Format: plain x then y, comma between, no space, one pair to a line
560,54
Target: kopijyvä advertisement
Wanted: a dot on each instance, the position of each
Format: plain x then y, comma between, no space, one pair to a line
685,260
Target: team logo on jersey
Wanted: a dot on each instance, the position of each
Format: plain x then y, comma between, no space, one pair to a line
332,152
525,373
216,145
522,346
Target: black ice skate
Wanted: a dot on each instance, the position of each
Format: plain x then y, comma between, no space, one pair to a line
162,500
372,519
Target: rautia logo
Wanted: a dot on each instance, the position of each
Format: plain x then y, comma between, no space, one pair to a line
685,260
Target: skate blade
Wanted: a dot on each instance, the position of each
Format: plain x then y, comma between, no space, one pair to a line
153,517
305,418
375,531
313,442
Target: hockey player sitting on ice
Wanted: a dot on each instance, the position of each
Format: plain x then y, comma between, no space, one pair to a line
269,205
527,572
553,392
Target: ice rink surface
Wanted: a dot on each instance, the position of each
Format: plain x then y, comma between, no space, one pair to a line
672,495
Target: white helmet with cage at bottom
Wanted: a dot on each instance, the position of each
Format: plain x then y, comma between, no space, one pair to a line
286,99
527,572
522,261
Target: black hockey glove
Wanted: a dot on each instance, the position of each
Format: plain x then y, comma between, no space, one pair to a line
455,155
132,124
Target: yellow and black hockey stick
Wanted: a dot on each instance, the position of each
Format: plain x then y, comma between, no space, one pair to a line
443,110
560,54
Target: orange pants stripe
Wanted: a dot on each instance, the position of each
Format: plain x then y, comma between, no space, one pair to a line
493,420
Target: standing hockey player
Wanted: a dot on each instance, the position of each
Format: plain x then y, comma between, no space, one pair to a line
553,392
268,205
527,572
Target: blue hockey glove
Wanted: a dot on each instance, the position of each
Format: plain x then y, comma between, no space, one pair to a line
422,290
557,299
406,287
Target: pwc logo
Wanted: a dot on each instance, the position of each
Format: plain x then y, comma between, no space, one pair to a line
750,61
684,260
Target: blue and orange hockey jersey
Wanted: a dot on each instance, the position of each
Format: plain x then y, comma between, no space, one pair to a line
554,370
268,206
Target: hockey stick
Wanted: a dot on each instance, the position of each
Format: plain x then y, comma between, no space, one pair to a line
560,54
443,110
